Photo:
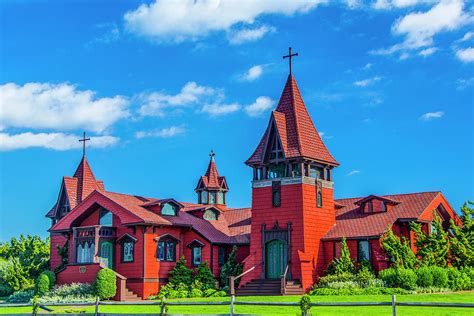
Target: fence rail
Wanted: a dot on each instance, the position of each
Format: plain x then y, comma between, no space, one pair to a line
232,303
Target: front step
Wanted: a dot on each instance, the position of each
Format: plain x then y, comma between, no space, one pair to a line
269,287
131,296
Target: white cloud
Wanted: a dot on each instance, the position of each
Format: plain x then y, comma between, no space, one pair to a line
182,20
419,28
218,109
431,115
58,107
467,37
162,133
428,51
260,106
354,4
368,66
237,37
158,103
466,55
109,33
367,82
464,83
353,172
253,73
56,141
389,4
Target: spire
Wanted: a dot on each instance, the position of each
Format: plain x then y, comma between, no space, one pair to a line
296,129
86,181
212,176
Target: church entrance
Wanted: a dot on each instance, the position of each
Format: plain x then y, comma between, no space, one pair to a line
107,254
275,259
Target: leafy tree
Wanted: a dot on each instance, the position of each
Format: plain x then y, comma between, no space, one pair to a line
462,238
15,276
344,263
106,283
181,274
398,250
231,268
30,253
433,247
205,276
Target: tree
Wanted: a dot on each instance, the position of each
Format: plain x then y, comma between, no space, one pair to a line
106,283
462,238
398,250
344,263
181,274
204,275
231,268
432,248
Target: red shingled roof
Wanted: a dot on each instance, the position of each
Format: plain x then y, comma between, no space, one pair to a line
211,179
297,132
351,222
217,231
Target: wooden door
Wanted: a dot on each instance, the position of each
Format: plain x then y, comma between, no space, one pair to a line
107,254
275,259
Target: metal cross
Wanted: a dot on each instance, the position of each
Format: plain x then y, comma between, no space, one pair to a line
212,154
84,140
290,56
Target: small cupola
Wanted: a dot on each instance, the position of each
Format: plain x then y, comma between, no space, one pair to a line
212,188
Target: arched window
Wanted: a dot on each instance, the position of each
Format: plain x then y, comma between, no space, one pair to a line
166,249
319,198
105,217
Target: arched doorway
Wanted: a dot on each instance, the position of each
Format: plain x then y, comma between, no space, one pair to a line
275,259
107,254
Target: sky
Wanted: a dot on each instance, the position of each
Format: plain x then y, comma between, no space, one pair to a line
157,85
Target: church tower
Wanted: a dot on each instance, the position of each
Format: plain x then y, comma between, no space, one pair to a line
212,188
292,194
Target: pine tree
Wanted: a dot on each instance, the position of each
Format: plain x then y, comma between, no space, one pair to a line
433,247
205,276
462,239
231,268
181,274
344,263
398,249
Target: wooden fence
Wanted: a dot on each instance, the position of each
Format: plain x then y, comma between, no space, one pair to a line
232,303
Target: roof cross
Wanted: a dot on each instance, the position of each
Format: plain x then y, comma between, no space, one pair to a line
290,56
212,154
84,140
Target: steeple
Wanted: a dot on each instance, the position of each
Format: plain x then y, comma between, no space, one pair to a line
86,181
211,187
295,130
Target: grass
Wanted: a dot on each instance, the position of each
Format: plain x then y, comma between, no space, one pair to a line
465,297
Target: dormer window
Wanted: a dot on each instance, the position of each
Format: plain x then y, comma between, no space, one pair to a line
210,215
168,209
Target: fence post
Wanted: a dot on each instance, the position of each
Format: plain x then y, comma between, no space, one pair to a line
394,305
163,306
232,285
232,299
97,306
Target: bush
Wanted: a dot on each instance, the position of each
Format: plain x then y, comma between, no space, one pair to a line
196,293
180,273
344,263
424,277
359,291
469,271
209,292
21,296
403,278
458,280
183,290
364,278
440,277
105,284
343,277
73,289
42,285
204,276
51,276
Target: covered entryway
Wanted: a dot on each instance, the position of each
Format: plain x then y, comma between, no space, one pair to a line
275,259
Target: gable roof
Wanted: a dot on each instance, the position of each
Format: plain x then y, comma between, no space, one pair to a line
351,222
296,129
135,211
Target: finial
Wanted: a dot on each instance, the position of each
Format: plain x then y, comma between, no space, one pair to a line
84,140
290,56
212,154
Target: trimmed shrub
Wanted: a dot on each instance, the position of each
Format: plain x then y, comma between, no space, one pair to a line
458,280
51,276
469,271
403,278
105,284
424,277
42,285
440,277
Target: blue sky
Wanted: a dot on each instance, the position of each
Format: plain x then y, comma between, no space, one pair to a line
389,85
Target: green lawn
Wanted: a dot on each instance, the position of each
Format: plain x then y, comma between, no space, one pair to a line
466,297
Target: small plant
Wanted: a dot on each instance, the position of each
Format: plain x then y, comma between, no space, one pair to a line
105,284
42,285
305,305
404,278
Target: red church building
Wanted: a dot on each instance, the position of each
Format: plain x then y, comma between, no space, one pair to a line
292,230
